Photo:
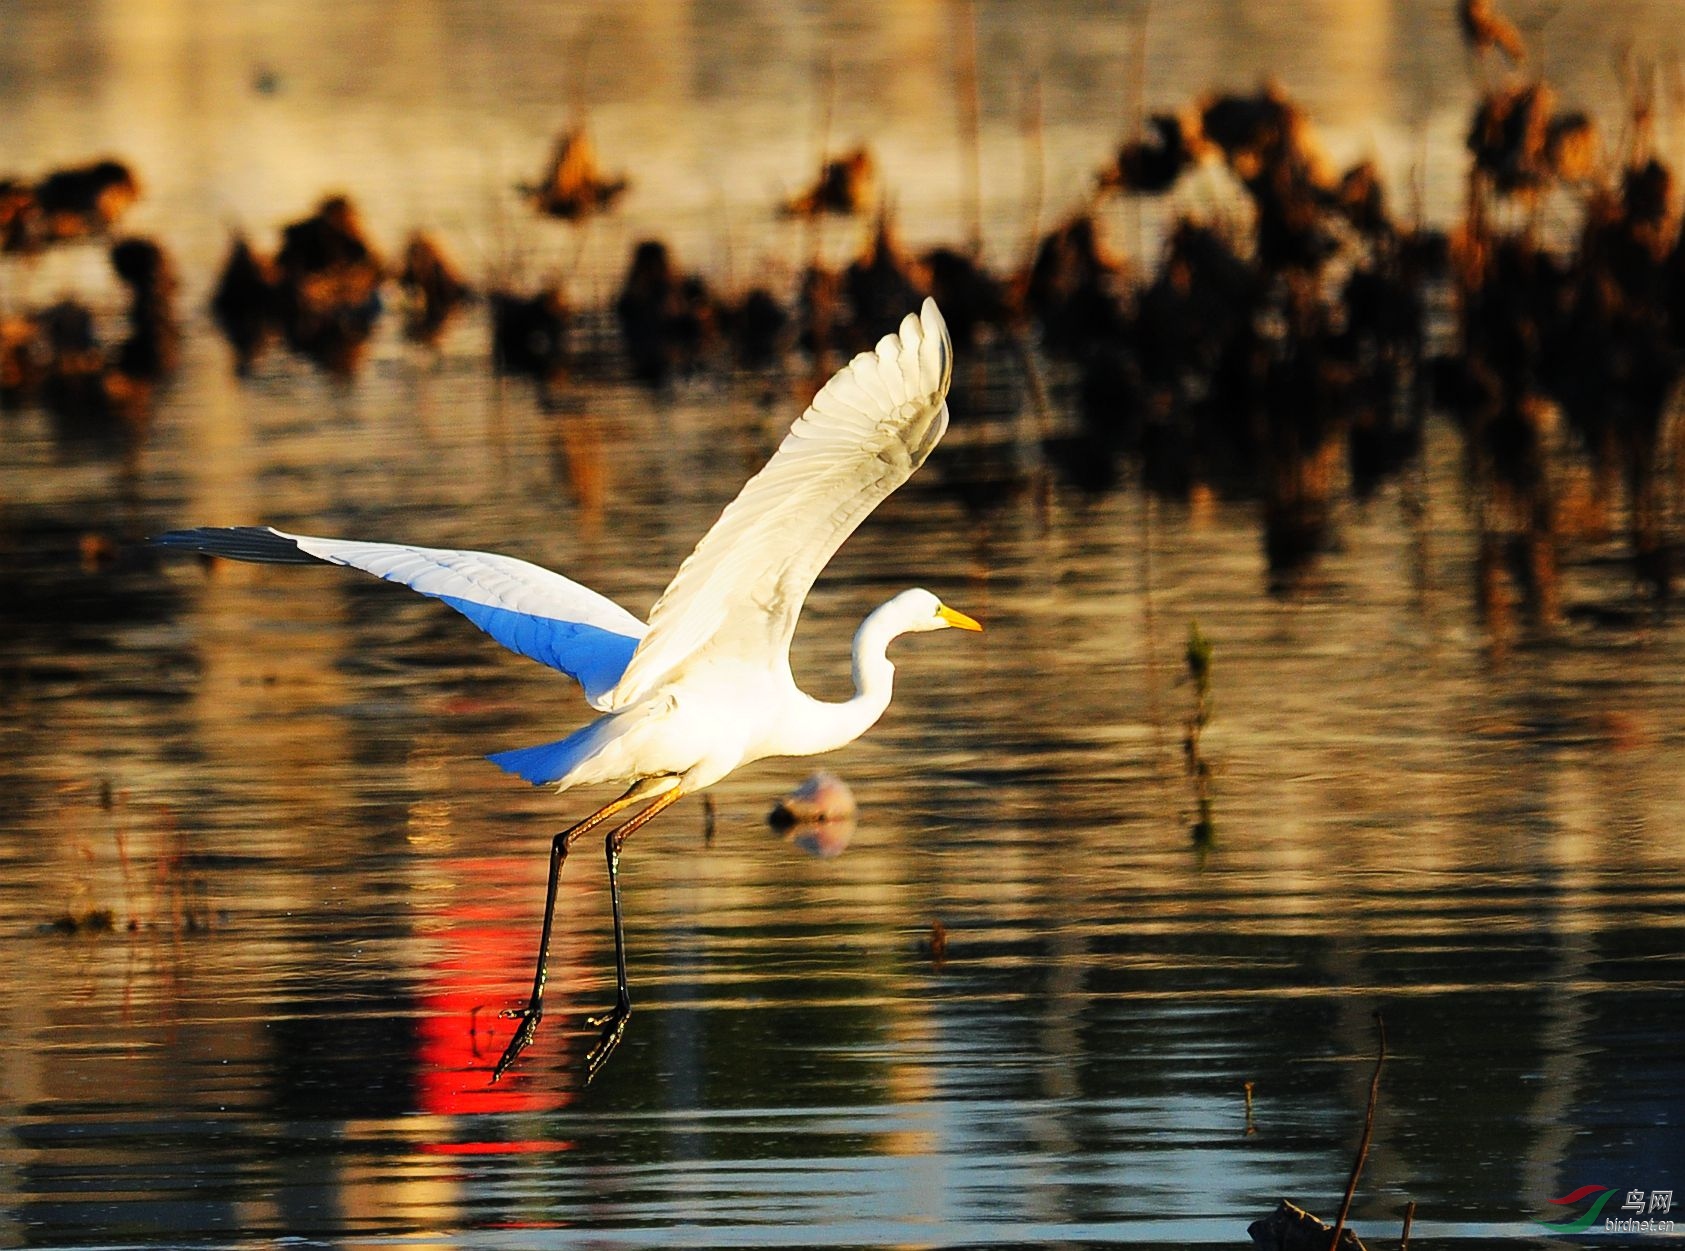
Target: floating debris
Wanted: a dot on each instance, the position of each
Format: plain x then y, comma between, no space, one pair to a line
846,186
67,204
1571,147
1151,165
1510,138
1291,1228
529,333
55,354
1362,200
668,321
90,921
759,328
245,303
1260,132
883,279
936,945
23,362
1485,29
17,213
329,276
982,301
433,285
574,185
153,344
1590,338
1073,290
79,389
321,291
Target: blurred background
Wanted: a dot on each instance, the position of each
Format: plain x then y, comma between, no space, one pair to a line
1314,469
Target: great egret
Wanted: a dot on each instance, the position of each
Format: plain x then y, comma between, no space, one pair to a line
705,686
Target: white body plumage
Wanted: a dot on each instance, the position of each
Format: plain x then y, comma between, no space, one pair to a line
717,717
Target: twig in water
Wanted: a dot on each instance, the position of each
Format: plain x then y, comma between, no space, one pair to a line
1363,1142
1203,831
1409,1219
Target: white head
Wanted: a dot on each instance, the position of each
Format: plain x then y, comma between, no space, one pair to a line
917,610
910,612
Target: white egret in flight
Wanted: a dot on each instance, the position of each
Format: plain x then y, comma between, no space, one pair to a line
705,685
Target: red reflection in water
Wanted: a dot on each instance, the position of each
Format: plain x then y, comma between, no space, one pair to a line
517,1147
485,969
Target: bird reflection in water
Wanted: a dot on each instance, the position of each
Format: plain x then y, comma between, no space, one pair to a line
818,816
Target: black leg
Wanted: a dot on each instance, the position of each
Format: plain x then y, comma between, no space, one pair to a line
613,1022
534,1011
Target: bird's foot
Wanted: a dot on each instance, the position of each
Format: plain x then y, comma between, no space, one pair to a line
529,1017
613,1025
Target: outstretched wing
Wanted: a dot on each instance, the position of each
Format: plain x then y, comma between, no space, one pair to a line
528,609
739,593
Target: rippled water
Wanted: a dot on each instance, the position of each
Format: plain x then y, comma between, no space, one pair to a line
321,895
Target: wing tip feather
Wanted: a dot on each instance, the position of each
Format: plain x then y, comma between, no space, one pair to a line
935,329
261,544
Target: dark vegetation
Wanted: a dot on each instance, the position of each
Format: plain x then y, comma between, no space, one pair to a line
1288,348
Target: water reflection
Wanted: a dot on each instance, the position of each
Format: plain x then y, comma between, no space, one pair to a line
321,896
1505,889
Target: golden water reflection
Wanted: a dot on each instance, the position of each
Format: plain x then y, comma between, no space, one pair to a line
274,774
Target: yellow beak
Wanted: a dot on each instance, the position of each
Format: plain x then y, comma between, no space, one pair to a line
957,619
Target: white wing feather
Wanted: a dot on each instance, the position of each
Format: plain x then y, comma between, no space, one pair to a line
476,577
738,594
528,609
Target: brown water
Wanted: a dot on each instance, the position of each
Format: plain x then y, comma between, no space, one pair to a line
322,895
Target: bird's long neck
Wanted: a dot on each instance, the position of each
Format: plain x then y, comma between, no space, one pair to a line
828,725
